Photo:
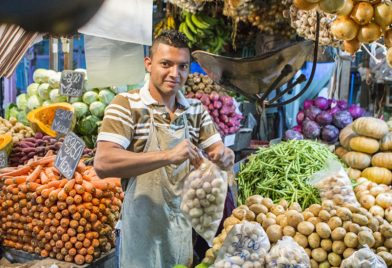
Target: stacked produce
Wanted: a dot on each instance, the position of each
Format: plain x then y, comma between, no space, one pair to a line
167,23
304,22
361,143
323,119
198,82
283,171
38,146
205,32
71,220
357,22
17,130
189,5
328,233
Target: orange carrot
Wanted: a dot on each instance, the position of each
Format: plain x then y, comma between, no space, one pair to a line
101,184
69,185
79,188
78,178
32,186
49,153
9,181
44,178
88,187
44,161
21,171
23,187
40,188
45,193
55,184
81,167
115,181
50,174
87,197
63,182
86,177
62,195
53,194
34,175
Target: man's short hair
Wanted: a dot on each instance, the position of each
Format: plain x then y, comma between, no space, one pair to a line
172,38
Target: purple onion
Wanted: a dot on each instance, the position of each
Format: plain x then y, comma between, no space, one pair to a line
324,118
342,104
300,117
356,111
308,104
321,103
312,112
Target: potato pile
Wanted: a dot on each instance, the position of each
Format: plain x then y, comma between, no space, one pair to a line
201,83
367,149
328,233
71,220
287,252
17,130
204,197
376,198
38,145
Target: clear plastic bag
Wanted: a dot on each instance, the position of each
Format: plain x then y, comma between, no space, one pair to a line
287,253
246,245
203,199
364,258
334,184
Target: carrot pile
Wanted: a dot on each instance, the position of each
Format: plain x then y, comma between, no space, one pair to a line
70,220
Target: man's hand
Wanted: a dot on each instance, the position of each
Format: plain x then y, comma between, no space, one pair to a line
183,151
221,155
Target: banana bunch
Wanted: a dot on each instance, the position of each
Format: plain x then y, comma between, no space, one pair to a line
204,32
168,23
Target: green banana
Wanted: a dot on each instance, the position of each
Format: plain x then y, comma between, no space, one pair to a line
210,20
199,23
219,45
189,23
188,33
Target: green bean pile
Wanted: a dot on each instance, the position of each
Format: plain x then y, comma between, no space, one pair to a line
283,171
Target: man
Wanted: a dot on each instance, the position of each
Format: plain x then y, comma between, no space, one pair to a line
148,138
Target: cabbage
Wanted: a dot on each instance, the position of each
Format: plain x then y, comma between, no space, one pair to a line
54,80
312,112
22,118
342,119
43,91
106,96
33,102
88,125
97,108
324,118
310,129
330,134
40,76
32,89
321,103
89,97
55,96
81,109
47,102
356,111
21,101
14,112
75,99
293,135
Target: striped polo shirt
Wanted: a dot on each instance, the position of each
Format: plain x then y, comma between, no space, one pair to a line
127,120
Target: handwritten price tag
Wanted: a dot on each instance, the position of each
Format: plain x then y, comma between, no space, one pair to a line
3,159
62,121
71,83
245,246
68,157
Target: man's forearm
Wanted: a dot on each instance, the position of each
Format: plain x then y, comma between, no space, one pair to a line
126,164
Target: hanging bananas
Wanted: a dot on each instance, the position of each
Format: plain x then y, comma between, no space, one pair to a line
168,23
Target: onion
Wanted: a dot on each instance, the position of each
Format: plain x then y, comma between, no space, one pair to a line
383,14
304,5
388,38
362,13
331,6
351,46
347,8
344,28
369,33
389,57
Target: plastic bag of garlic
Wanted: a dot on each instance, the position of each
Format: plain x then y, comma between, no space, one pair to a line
304,22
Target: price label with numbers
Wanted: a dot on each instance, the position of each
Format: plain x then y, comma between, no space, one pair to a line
62,121
71,83
3,159
68,157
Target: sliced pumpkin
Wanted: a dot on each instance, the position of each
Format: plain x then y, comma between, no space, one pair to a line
41,118
6,143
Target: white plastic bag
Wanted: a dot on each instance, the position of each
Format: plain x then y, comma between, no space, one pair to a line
334,184
364,258
203,199
246,245
287,253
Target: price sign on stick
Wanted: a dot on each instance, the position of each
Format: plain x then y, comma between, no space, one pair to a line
68,157
62,121
71,83
3,159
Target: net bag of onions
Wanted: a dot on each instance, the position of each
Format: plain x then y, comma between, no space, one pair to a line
203,199
246,245
364,258
287,253
334,184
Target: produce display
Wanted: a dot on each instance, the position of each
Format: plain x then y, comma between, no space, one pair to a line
287,252
284,171
189,5
167,23
328,233
15,129
70,220
38,146
364,258
323,119
201,83
203,199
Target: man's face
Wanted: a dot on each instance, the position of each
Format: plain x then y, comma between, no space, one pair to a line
168,68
